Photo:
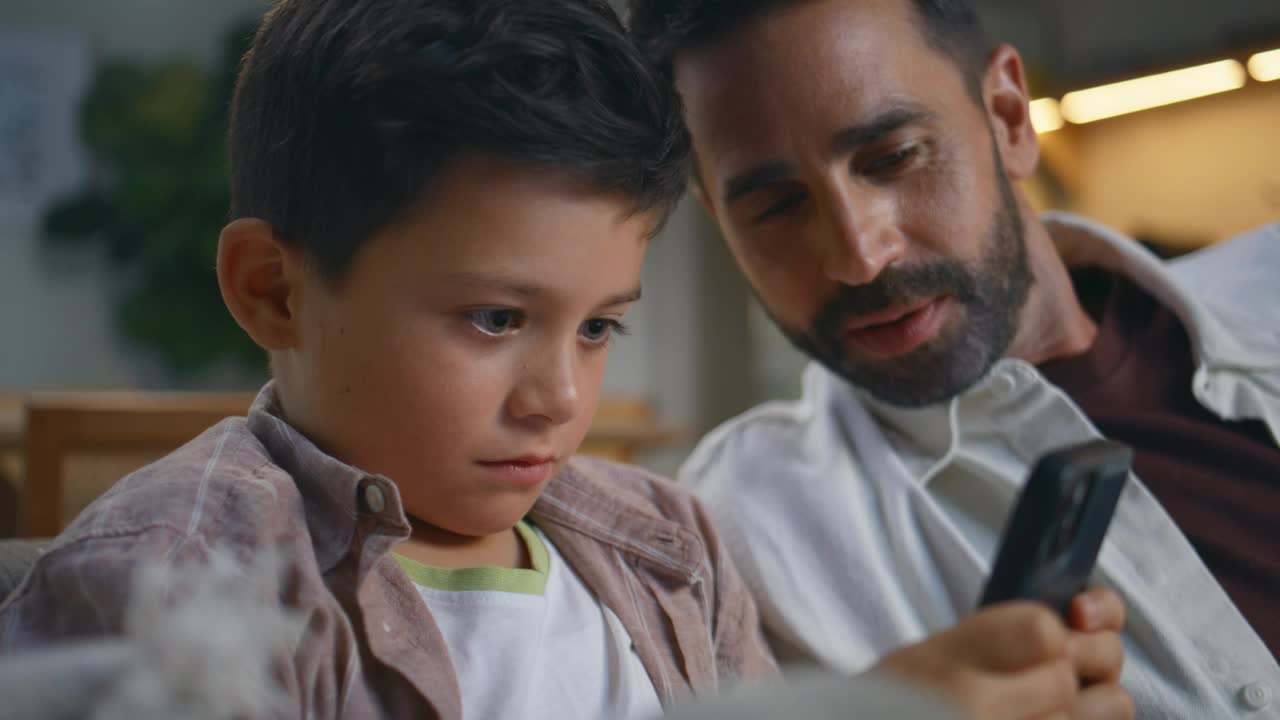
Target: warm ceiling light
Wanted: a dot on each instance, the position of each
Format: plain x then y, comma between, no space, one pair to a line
1265,66
1152,91
1045,116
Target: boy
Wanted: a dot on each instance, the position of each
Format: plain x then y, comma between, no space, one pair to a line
440,213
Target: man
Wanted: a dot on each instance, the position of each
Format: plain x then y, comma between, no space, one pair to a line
861,160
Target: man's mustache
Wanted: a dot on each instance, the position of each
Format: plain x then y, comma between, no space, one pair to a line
893,287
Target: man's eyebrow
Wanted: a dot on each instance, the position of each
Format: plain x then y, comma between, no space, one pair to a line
752,179
852,137
849,138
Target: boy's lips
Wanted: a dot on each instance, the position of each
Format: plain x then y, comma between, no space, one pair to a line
899,329
523,470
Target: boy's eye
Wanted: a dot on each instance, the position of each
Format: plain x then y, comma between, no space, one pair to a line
496,322
598,330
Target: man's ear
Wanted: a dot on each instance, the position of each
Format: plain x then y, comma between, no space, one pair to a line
261,282
1006,100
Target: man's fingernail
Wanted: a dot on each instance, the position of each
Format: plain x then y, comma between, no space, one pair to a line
1088,609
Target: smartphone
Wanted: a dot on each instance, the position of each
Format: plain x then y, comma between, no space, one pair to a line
1051,541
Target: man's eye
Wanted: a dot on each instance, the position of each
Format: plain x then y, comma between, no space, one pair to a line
892,161
781,207
597,331
496,322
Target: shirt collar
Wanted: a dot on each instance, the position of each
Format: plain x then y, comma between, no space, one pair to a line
1083,242
928,437
334,494
583,500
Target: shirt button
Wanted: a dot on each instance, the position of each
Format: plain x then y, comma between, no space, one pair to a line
374,499
1255,696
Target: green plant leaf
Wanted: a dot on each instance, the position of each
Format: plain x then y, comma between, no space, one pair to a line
157,199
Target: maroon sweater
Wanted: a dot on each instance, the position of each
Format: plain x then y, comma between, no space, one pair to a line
1219,480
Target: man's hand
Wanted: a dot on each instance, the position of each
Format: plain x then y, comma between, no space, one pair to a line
1018,660
1096,618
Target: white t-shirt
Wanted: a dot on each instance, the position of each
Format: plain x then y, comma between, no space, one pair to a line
534,643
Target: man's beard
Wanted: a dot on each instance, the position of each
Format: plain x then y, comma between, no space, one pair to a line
990,293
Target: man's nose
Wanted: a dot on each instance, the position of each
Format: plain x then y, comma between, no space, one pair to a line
860,237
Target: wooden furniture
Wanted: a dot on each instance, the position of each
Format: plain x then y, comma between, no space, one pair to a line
10,461
77,444
115,432
624,427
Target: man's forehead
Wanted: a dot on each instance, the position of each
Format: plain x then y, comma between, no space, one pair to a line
816,67
812,32
825,48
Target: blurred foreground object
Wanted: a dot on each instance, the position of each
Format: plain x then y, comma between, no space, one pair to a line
816,695
198,645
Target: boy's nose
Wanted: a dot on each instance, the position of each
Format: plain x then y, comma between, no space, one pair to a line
548,390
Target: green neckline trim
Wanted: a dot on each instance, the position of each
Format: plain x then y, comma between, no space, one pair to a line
487,578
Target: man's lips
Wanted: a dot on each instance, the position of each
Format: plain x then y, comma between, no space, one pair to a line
888,315
897,330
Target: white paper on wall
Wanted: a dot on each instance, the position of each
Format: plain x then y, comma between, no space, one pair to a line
43,76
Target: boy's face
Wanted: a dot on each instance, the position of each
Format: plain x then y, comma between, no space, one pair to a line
463,353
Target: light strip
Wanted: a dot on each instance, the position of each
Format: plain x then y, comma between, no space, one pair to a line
1265,66
1045,116
1152,91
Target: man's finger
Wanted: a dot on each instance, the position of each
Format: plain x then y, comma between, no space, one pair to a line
1107,701
1096,610
1012,636
1098,657
1041,691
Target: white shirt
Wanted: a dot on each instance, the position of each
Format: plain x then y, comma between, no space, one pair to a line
861,527
535,644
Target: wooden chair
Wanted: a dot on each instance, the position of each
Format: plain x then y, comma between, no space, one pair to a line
623,428
10,460
99,437
78,444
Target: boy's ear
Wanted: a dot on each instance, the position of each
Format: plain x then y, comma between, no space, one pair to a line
260,279
1004,91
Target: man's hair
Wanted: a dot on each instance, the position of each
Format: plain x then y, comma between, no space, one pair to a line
347,112
664,28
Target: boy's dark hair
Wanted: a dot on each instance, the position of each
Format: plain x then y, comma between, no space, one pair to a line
664,28
347,111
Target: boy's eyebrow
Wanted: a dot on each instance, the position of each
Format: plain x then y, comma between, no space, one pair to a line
499,281
522,288
625,298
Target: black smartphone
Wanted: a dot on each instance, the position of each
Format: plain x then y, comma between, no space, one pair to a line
1051,541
